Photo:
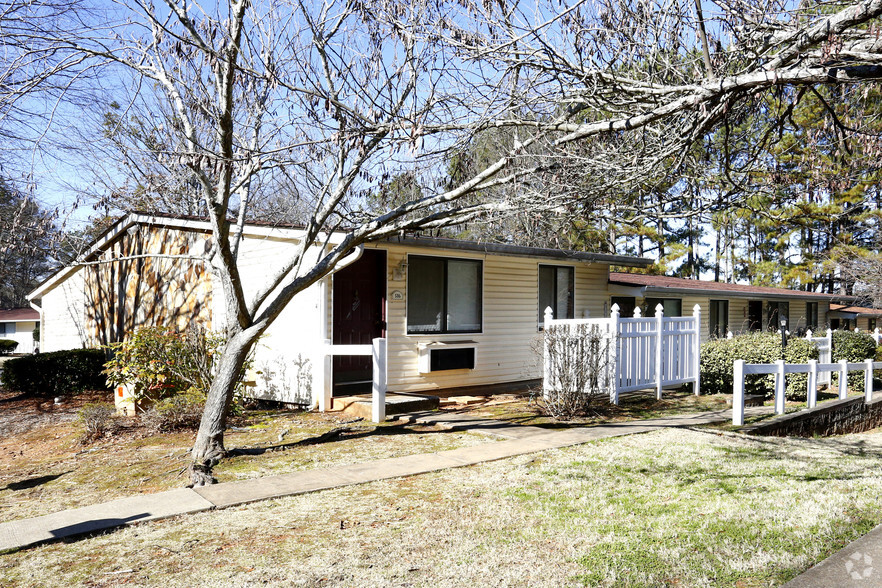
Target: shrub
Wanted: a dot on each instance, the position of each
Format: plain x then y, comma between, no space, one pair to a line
855,347
183,411
7,346
98,418
158,362
56,373
578,371
718,357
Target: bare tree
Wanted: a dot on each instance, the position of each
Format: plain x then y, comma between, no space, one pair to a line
333,99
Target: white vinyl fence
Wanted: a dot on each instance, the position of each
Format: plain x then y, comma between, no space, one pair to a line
825,353
813,368
877,336
645,352
377,350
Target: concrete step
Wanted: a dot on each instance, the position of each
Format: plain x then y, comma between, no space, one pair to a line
360,406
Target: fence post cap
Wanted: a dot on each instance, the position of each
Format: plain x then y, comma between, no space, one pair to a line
659,309
696,309
615,309
549,314
637,312
808,334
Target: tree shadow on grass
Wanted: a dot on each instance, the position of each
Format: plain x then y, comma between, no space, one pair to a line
341,434
33,482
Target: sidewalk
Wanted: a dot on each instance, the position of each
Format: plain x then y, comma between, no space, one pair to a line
520,440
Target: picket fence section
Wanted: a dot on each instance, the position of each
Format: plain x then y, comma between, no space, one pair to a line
813,368
645,352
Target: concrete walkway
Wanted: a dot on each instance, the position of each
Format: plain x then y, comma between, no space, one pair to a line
857,564
520,440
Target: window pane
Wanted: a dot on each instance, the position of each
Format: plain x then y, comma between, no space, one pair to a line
673,307
546,292
564,302
463,295
425,294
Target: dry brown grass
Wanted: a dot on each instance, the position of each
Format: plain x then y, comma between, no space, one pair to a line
44,466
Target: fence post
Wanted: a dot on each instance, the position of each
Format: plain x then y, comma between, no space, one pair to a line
843,378
378,386
546,356
868,380
738,394
877,335
812,392
327,385
696,356
780,386
659,341
617,365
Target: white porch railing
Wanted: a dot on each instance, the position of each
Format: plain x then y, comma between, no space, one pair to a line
377,350
825,353
813,368
651,352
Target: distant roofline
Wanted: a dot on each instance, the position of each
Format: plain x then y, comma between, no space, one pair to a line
725,289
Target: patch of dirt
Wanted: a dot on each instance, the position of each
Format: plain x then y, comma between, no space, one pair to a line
19,414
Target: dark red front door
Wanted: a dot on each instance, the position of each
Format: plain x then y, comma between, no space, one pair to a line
359,317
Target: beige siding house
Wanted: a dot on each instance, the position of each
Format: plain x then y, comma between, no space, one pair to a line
18,324
855,317
735,308
454,314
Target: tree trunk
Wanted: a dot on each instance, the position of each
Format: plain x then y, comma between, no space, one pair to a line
208,449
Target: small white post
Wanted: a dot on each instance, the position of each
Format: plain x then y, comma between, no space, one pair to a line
696,356
614,319
812,392
546,355
729,335
327,383
808,334
659,341
378,386
738,393
843,378
780,386
877,335
868,380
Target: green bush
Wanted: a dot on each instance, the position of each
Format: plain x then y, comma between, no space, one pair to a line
7,346
854,347
55,374
718,357
159,362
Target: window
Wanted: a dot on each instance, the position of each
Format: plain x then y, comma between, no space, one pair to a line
755,315
3,330
719,318
627,304
775,313
556,286
443,295
672,306
811,315
871,325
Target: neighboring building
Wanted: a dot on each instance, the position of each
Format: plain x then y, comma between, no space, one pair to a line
455,314
735,308
855,317
18,324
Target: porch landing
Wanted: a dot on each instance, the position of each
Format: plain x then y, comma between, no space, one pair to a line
360,406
